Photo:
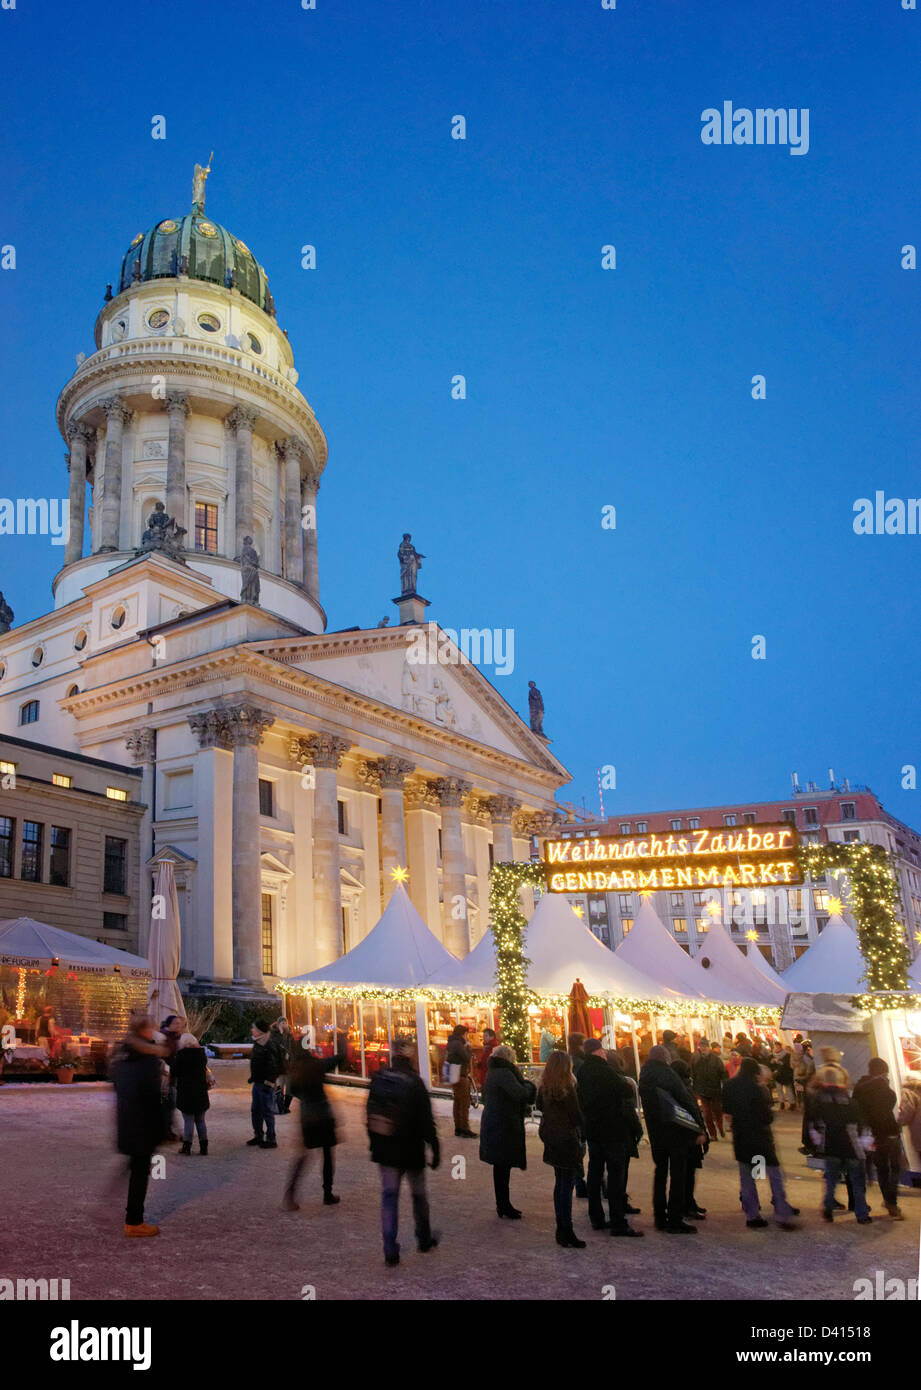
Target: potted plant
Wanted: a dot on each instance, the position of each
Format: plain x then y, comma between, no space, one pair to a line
64,1065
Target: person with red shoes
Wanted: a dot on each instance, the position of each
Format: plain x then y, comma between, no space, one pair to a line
139,1113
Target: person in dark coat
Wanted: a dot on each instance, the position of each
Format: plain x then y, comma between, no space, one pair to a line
833,1119
171,1030
708,1074
612,1130
659,1085
561,1129
615,1060
318,1123
747,1102
264,1069
288,1048
876,1101
190,1070
136,1075
458,1053
506,1096
696,1152
400,1127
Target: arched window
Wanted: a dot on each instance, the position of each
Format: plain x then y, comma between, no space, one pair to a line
28,713
73,690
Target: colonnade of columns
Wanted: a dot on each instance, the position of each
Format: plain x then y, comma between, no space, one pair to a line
301,483
239,729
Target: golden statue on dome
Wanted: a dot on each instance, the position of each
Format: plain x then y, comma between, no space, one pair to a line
198,185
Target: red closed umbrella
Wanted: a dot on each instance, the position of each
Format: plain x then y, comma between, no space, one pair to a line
579,1021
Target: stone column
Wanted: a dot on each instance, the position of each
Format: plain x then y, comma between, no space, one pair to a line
117,415
142,745
501,810
324,752
393,772
177,405
422,812
310,485
292,451
241,420
242,728
79,437
451,792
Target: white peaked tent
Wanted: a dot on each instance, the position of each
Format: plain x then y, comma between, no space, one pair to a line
560,949
761,962
730,976
398,953
650,948
833,964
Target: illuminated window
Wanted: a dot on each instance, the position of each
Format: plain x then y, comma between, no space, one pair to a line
626,925
116,794
693,822
6,769
268,944
703,925
61,779
820,898
680,925
206,527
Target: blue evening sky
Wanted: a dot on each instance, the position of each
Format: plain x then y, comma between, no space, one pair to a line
586,387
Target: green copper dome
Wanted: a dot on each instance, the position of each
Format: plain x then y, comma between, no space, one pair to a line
195,246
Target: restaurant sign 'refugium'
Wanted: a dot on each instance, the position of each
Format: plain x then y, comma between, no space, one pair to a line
750,857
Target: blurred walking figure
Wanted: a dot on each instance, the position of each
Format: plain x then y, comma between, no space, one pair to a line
190,1069
264,1067
46,1029
747,1102
708,1075
400,1126
875,1100
318,1122
612,1130
171,1030
784,1076
561,1129
136,1071
833,1119
458,1061
910,1109
506,1096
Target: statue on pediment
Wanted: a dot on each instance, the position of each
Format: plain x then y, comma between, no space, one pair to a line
162,535
410,564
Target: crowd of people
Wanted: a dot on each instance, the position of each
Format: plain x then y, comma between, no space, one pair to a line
590,1103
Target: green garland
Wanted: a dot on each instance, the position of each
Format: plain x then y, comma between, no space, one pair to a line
508,927
875,899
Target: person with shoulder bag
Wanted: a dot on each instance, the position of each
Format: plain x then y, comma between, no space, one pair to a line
669,1112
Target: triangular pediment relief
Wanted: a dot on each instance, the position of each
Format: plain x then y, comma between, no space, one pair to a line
426,679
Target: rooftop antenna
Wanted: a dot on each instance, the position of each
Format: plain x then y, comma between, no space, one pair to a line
831,779
600,794
795,779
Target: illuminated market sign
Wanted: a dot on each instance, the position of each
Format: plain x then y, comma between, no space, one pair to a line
752,857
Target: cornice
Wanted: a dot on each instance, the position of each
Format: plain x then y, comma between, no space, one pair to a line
242,663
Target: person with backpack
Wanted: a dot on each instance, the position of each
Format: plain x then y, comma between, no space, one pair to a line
400,1127
318,1123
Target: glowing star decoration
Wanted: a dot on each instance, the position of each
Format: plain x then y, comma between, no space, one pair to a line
918,936
646,893
399,874
713,908
579,911
834,906
752,935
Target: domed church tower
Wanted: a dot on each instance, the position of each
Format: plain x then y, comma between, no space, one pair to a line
191,400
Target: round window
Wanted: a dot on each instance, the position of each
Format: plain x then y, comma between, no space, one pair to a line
158,319
38,656
168,226
254,343
118,618
80,641
207,229
209,323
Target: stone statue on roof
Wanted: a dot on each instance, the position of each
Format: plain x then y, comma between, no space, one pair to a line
410,564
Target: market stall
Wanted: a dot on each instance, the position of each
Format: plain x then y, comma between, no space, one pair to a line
87,988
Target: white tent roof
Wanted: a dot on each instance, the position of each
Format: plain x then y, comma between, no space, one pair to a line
650,948
833,964
399,952
761,962
730,975
560,949
25,942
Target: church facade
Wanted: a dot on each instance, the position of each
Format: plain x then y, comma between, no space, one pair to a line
286,771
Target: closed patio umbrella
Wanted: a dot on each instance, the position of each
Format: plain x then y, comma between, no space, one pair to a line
163,996
579,1021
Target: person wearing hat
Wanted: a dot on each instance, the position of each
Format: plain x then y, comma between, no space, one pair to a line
612,1130
833,1119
